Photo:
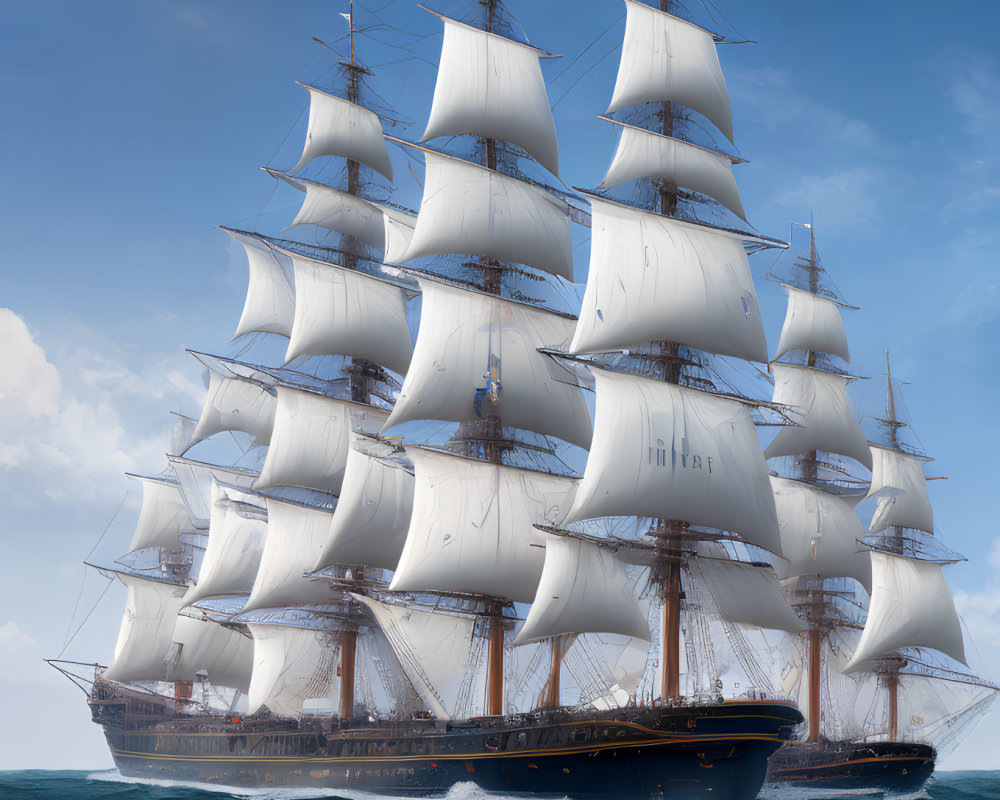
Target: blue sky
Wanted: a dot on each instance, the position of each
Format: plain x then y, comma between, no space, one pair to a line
131,129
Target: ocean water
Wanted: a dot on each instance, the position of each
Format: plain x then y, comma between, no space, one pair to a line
109,785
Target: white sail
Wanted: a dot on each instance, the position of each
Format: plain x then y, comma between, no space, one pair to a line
911,606
236,404
235,542
270,303
655,278
373,513
661,450
194,480
821,412
432,647
295,537
338,127
820,533
491,86
163,517
144,637
469,343
398,233
468,209
812,323
748,594
904,501
342,312
472,527
343,212
290,665
201,645
665,59
312,436
644,154
583,589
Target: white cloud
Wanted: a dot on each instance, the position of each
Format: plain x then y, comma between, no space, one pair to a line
66,434
842,199
17,649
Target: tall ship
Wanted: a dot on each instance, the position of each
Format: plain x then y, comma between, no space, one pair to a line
426,562
880,671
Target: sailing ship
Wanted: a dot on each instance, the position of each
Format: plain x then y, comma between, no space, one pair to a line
880,671
371,607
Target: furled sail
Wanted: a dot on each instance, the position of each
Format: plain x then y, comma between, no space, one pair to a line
270,303
312,436
194,480
812,323
645,154
478,354
144,638
748,594
201,645
339,311
295,537
338,127
163,517
822,413
655,278
235,542
373,513
236,404
290,665
469,209
665,451
472,526
432,647
911,606
904,501
665,59
583,589
492,86
820,533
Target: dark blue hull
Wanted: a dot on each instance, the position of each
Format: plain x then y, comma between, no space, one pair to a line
713,751
892,767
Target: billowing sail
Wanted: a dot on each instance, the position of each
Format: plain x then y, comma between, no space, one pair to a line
470,210
904,501
342,312
164,516
491,86
655,278
236,404
235,541
290,665
338,127
194,479
270,303
911,606
583,589
820,533
748,594
373,513
144,638
812,323
432,647
665,451
343,212
201,645
644,154
822,414
295,537
312,436
398,232
667,59
472,526
478,355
